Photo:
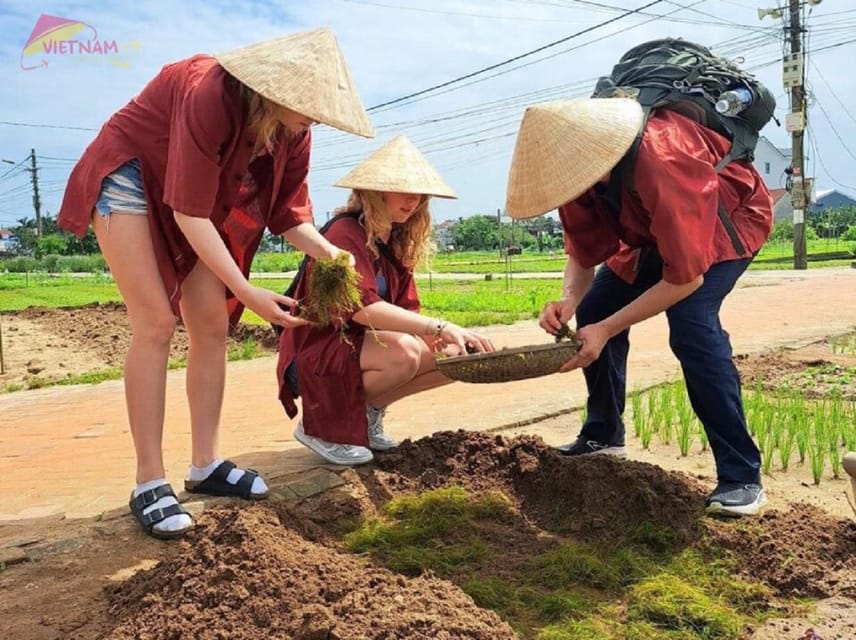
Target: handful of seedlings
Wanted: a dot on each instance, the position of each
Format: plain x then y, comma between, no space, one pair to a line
565,333
334,290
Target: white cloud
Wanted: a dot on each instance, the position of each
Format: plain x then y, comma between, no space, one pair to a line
396,51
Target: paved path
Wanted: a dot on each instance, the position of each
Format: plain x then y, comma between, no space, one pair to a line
67,449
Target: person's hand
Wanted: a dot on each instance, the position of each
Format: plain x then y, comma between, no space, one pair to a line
592,339
555,315
336,251
266,303
453,335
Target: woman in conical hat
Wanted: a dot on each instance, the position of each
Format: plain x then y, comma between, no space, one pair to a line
179,187
676,245
349,372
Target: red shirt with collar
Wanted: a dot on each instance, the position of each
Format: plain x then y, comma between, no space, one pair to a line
329,376
677,207
188,129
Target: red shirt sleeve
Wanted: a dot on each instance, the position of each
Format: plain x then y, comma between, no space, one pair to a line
589,235
679,188
292,204
200,126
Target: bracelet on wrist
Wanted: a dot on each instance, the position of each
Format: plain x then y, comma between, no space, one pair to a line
441,324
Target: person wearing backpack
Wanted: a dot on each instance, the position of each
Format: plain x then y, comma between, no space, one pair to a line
666,250
347,372
179,186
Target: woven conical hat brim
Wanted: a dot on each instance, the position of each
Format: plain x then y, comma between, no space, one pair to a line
305,72
397,167
565,147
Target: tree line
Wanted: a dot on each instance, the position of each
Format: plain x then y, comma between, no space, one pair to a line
478,232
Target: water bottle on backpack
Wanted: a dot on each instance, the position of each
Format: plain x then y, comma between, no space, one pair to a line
731,103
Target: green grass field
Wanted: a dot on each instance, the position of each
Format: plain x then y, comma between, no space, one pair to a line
502,300
470,303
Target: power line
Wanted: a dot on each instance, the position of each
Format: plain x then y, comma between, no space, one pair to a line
812,142
456,13
831,90
14,168
514,59
834,130
45,126
57,159
580,88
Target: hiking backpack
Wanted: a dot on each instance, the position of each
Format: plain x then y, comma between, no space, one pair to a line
687,78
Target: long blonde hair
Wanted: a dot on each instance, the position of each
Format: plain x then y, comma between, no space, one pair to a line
261,118
410,242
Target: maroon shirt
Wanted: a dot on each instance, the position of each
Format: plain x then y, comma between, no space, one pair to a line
188,129
677,210
328,360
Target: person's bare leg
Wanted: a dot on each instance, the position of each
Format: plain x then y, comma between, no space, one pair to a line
203,309
126,243
396,365
205,315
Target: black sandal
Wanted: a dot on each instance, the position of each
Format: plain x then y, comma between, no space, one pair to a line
216,484
149,520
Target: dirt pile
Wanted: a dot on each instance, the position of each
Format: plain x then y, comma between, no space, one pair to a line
800,552
243,575
278,570
594,499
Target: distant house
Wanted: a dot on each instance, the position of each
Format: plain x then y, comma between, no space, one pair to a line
8,241
771,162
443,235
831,199
782,208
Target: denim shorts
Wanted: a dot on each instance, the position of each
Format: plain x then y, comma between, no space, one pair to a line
123,191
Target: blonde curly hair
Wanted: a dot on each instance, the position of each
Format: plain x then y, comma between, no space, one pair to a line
262,117
410,242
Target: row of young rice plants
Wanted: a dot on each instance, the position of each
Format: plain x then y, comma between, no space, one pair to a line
665,412
787,427
844,345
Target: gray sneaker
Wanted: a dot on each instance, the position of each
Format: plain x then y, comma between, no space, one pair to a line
736,499
581,447
344,454
378,440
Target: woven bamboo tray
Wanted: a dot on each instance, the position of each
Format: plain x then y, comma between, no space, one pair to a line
517,363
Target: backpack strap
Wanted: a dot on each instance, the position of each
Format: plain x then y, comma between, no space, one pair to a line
723,214
622,179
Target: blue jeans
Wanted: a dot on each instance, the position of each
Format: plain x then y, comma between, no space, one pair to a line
702,347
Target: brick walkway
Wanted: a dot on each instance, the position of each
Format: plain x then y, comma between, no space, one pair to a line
67,449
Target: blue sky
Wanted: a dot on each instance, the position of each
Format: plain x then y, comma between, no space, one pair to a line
397,47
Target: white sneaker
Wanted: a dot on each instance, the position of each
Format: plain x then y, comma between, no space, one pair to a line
346,454
378,440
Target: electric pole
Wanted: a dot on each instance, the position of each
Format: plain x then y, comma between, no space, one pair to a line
800,188
37,203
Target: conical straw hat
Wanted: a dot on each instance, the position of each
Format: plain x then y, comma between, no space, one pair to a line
305,72
397,167
565,147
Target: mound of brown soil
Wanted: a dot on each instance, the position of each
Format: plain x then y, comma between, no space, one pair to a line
801,552
243,575
595,499
278,571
